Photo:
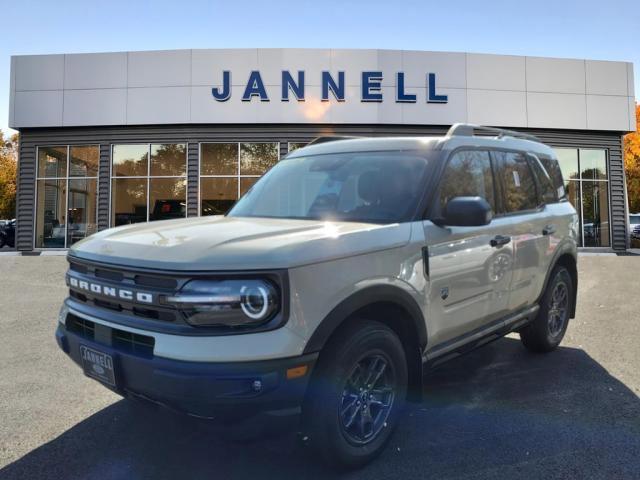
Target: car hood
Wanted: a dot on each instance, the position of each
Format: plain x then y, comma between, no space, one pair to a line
236,243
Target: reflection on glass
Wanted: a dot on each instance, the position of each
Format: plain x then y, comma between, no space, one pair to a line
257,158
593,164
128,200
167,198
568,159
246,183
84,161
81,209
130,160
217,195
219,159
595,208
294,146
50,215
169,159
52,162
468,173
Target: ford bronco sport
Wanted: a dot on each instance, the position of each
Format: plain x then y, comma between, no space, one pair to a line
349,269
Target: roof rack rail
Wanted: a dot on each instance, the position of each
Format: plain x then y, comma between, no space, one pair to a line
328,138
468,130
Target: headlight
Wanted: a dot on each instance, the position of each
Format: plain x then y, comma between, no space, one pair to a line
230,303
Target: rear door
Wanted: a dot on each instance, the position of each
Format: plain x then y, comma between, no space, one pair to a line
529,225
469,278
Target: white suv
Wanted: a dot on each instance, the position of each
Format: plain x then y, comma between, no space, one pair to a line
349,269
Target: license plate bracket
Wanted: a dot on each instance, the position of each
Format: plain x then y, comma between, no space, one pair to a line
98,365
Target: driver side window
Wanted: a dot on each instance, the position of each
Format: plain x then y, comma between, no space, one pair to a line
468,174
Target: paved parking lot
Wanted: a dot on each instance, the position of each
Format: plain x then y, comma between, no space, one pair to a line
499,412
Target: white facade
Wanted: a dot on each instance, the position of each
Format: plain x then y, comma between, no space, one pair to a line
175,87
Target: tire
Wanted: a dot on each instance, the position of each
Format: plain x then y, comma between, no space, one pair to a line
546,332
2,241
344,417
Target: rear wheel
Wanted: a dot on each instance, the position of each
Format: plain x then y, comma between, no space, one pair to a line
546,332
356,395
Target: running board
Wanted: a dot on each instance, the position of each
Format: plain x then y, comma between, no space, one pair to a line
479,337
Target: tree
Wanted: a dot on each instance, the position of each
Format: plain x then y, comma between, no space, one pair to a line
8,174
632,165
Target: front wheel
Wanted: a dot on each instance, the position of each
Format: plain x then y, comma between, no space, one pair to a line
357,394
546,332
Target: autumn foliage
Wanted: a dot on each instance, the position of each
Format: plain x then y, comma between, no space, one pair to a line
8,164
632,165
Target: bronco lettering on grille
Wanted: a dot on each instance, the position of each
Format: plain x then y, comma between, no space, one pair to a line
113,292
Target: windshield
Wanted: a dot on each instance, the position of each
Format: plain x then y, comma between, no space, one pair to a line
378,187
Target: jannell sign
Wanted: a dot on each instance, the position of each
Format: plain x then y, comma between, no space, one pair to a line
294,87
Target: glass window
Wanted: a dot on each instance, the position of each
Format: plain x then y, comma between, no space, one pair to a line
168,159
257,158
82,209
552,167
84,161
130,160
219,159
66,208
296,145
568,160
595,209
167,198
52,162
246,183
51,216
518,182
128,200
378,187
547,190
217,195
468,174
593,164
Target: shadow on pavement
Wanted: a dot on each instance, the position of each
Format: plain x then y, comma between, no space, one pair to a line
499,412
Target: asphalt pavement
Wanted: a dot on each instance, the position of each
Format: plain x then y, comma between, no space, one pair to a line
496,413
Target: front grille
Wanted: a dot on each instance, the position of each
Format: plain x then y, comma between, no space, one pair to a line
157,285
141,345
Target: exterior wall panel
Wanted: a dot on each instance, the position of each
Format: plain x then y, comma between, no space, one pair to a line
299,133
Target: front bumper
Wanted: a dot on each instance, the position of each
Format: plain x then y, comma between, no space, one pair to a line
226,390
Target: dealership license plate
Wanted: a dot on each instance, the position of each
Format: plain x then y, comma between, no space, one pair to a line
98,365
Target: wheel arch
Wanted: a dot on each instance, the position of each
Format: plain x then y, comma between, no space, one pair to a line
391,306
568,260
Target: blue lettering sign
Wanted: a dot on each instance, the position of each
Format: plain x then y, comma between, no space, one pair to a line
288,83
224,94
432,96
371,87
328,83
401,96
255,87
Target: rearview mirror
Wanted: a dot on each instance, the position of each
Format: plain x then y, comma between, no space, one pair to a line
466,212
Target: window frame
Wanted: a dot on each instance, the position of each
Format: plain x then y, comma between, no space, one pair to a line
238,176
66,179
540,205
148,176
435,210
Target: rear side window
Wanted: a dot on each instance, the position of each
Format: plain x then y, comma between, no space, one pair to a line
518,182
468,174
552,166
547,190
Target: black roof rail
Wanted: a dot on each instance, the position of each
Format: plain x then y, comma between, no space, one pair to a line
328,138
469,129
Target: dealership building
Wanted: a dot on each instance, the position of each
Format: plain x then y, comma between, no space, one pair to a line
113,138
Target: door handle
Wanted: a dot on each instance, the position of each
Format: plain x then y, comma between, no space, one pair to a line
549,230
499,240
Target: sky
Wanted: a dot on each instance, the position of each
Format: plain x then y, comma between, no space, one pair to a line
560,28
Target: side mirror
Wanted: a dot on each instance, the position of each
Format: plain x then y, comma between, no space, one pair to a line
467,212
